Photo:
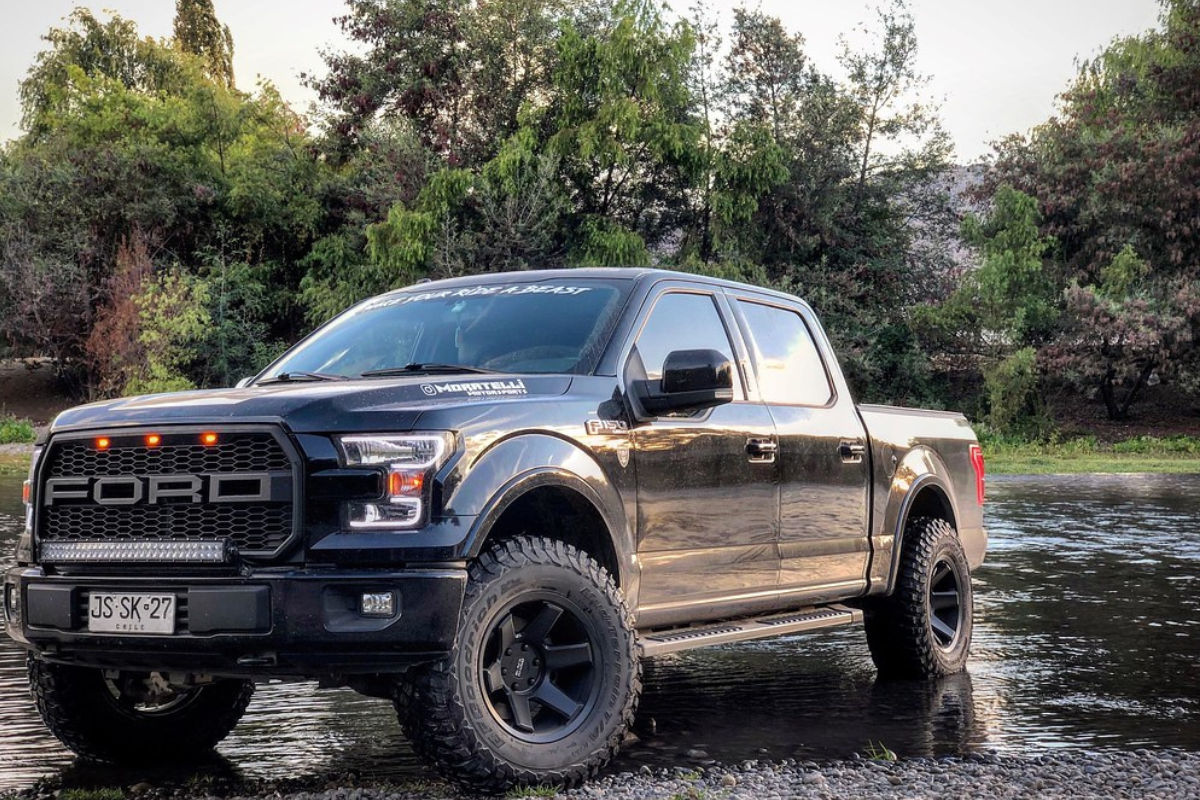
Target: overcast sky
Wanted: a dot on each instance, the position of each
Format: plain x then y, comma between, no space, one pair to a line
996,65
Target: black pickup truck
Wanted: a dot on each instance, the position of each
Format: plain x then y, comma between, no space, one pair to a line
487,499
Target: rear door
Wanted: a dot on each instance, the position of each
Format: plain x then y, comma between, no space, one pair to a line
823,459
707,482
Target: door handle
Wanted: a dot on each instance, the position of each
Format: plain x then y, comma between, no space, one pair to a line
761,450
852,452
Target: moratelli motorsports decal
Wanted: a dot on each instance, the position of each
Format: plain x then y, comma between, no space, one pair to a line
513,388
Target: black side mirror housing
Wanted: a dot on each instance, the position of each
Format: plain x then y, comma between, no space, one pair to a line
692,380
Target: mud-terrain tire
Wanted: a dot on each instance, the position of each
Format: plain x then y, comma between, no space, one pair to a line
923,629
99,722
542,681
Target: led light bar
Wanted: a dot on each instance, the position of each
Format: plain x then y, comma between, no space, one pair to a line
205,551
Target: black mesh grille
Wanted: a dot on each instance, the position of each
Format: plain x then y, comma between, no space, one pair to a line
256,528
250,452
253,528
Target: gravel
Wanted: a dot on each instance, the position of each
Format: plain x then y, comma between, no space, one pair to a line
1066,774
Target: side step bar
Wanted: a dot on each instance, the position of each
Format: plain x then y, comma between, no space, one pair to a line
657,643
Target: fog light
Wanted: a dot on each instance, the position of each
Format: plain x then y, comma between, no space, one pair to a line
377,604
12,603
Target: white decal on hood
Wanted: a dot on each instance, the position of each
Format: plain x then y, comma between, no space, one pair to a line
511,388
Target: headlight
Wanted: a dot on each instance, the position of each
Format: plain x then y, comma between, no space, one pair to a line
27,489
410,461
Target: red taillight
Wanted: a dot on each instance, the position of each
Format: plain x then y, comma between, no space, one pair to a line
977,463
26,492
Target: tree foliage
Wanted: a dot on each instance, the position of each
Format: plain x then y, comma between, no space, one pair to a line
1116,177
199,33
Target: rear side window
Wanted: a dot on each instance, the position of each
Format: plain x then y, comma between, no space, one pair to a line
790,371
682,321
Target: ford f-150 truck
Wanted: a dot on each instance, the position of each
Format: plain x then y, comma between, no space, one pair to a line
487,499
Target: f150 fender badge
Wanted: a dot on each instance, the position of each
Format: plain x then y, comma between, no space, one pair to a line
596,427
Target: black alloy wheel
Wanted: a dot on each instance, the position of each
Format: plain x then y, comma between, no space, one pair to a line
538,669
945,604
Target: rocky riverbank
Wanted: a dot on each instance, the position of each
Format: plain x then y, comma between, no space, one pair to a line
1067,774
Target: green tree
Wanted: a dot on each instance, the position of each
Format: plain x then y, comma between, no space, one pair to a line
623,130
457,72
1114,174
130,139
198,32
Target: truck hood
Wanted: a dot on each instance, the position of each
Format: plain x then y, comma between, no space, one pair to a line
391,404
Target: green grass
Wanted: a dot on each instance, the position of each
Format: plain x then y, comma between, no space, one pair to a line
16,431
532,791
14,464
107,793
1085,454
880,752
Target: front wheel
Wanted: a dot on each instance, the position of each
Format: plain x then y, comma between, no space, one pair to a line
923,629
543,677
132,718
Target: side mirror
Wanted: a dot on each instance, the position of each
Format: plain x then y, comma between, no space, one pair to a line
692,380
244,382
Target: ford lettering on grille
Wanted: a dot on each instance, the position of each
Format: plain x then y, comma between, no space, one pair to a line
129,490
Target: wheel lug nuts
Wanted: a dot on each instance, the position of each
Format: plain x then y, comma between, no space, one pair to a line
503,671
537,663
516,685
531,681
508,652
524,647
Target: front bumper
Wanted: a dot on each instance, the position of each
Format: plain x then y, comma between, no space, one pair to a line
293,623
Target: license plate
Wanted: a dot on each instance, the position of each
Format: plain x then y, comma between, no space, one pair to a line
110,612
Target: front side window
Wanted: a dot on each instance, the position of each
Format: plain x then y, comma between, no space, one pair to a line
790,371
547,327
681,321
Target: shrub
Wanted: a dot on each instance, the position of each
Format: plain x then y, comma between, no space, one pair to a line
16,431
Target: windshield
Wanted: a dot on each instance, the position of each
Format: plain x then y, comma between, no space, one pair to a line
555,326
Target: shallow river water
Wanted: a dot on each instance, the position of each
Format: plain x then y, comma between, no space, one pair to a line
1087,635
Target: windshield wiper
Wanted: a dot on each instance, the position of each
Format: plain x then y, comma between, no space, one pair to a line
411,369
301,377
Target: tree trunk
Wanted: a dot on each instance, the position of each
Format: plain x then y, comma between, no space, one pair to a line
1108,393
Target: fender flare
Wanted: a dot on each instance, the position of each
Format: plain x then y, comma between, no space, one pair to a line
921,470
516,466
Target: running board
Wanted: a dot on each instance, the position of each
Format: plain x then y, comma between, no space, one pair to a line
657,643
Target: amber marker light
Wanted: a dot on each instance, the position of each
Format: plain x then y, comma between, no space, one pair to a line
405,483
26,492
103,443
153,440
208,439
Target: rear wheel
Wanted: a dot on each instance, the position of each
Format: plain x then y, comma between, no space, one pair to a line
128,717
923,630
543,677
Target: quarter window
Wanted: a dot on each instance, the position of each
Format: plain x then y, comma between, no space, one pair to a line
789,371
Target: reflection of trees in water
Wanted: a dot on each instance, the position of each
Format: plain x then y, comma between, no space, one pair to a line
1089,605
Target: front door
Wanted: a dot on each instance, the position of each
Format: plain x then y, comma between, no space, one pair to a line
707,482
823,536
